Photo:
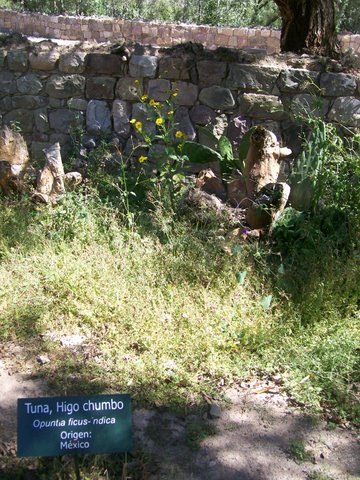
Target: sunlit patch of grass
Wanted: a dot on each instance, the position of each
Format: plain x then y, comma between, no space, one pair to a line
167,321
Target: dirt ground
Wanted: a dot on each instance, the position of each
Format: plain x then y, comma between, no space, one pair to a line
259,435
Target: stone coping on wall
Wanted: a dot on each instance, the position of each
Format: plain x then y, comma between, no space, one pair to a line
106,29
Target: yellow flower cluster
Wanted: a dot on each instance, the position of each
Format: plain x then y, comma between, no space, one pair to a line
179,134
136,123
142,158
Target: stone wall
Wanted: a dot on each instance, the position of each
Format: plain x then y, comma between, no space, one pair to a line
51,91
154,33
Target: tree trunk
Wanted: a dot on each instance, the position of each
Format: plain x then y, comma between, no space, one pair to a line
308,26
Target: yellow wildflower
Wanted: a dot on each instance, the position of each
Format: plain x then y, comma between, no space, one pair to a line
133,120
142,159
143,98
159,121
179,134
136,82
171,112
174,94
138,125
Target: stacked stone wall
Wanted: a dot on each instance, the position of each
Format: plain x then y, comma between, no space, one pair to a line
52,92
155,33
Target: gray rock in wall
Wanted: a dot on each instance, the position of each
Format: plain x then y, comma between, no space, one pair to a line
7,83
299,80
186,93
29,84
3,55
57,102
140,113
98,118
266,107
337,84
211,72
345,110
100,88
6,104
142,66
183,123
41,120
72,62
238,125
121,112
77,104
64,120
173,69
218,127
37,151
159,89
45,61
21,118
65,86
216,97
17,60
29,101
202,115
305,105
128,88
254,78
104,63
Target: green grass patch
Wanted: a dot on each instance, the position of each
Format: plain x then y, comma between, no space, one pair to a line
162,312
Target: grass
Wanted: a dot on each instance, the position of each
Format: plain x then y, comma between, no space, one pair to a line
167,320
163,311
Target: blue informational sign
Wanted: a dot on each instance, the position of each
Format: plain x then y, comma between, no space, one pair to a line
51,426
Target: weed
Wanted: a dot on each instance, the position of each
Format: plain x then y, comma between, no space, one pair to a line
298,451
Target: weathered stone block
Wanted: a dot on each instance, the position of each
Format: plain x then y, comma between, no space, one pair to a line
45,61
140,113
3,55
183,123
128,88
65,86
121,112
77,104
173,69
202,115
211,72
6,104
17,60
64,120
267,107
253,78
337,84
345,110
186,93
100,88
299,80
20,117
159,89
7,83
305,105
216,97
41,120
98,118
143,66
72,62
29,84
37,151
29,101
104,63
